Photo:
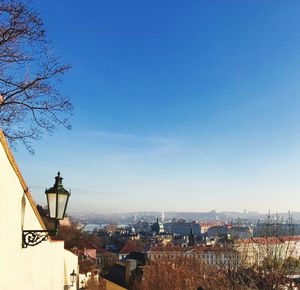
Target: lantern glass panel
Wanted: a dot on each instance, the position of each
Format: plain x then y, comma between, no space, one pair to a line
52,204
61,205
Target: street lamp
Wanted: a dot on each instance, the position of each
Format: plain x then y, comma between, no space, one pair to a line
72,279
57,200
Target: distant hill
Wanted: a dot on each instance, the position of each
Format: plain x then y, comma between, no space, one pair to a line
199,216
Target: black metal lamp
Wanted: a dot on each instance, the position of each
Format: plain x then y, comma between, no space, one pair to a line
72,279
57,199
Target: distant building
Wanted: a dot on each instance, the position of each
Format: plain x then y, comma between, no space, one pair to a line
121,273
158,227
208,224
126,250
276,229
142,226
105,258
192,240
217,231
254,250
240,232
183,228
221,257
85,248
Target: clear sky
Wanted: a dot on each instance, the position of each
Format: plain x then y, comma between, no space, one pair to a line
179,105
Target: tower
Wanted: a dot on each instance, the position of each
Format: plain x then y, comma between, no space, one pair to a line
191,242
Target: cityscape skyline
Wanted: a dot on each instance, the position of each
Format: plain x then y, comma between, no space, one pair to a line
178,106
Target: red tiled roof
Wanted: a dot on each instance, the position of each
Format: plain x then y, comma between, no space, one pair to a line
168,249
85,244
213,249
102,251
211,224
200,249
128,248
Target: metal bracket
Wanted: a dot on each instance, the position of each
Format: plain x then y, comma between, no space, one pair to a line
33,238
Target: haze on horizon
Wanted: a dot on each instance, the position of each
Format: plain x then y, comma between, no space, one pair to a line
178,106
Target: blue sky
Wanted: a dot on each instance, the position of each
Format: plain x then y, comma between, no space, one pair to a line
179,105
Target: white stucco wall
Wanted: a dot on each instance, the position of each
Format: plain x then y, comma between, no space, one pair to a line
39,267
70,264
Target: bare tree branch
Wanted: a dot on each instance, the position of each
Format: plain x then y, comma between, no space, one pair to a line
31,104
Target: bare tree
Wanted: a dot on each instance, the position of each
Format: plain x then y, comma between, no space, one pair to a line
269,263
177,274
30,103
266,263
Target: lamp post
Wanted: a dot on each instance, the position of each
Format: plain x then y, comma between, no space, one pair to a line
72,279
57,200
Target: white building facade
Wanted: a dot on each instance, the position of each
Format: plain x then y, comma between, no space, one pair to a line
46,266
